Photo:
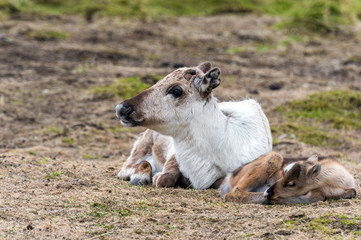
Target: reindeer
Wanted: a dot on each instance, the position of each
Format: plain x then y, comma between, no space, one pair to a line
288,181
191,138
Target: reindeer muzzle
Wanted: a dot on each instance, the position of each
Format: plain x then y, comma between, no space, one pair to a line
123,112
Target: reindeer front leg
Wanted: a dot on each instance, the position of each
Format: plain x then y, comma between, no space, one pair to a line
311,197
245,181
169,176
141,149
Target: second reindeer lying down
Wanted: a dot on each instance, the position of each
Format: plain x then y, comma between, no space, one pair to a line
271,179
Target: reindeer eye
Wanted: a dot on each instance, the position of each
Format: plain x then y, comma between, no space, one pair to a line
289,184
176,91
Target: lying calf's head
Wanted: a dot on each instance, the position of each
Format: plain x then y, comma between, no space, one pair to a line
173,101
297,180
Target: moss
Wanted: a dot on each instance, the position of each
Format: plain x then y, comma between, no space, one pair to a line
314,15
68,140
53,130
124,87
327,225
340,108
235,50
49,35
90,157
265,47
312,118
32,152
54,175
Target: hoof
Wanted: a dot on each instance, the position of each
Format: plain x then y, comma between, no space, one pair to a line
164,180
139,180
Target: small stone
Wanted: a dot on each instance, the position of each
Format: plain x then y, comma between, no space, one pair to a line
276,86
253,91
165,64
29,227
178,65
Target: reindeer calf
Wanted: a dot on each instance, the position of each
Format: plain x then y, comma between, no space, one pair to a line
192,135
288,182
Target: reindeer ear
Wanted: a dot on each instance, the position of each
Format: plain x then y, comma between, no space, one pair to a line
313,159
208,81
314,171
205,66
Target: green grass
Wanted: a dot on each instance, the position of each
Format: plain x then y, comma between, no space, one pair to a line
124,87
235,50
320,118
341,109
326,225
53,130
315,15
32,152
54,175
270,45
49,35
68,140
91,157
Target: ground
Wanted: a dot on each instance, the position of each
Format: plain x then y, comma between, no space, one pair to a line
61,145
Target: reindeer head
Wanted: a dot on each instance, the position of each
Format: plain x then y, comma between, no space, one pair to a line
297,180
173,102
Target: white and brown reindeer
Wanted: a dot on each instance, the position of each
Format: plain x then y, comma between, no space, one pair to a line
192,136
274,180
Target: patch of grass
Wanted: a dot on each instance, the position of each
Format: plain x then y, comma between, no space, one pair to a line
328,225
91,157
82,68
48,35
124,87
313,15
340,108
54,175
12,7
312,118
44,160
306,133
324,16
265,47
68,140
235,50
53,130
107,208
31,152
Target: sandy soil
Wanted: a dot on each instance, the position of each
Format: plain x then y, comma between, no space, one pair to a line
61,146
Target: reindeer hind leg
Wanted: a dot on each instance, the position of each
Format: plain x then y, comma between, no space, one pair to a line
243,183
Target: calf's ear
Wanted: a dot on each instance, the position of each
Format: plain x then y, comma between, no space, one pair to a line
313,159
314,171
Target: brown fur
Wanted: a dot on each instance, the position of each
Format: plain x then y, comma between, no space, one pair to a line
309,180
170,174
328,178
245,180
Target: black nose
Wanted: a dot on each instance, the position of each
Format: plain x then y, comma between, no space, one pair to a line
123,110
270,191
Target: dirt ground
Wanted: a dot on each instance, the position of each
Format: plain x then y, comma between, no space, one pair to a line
61,145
